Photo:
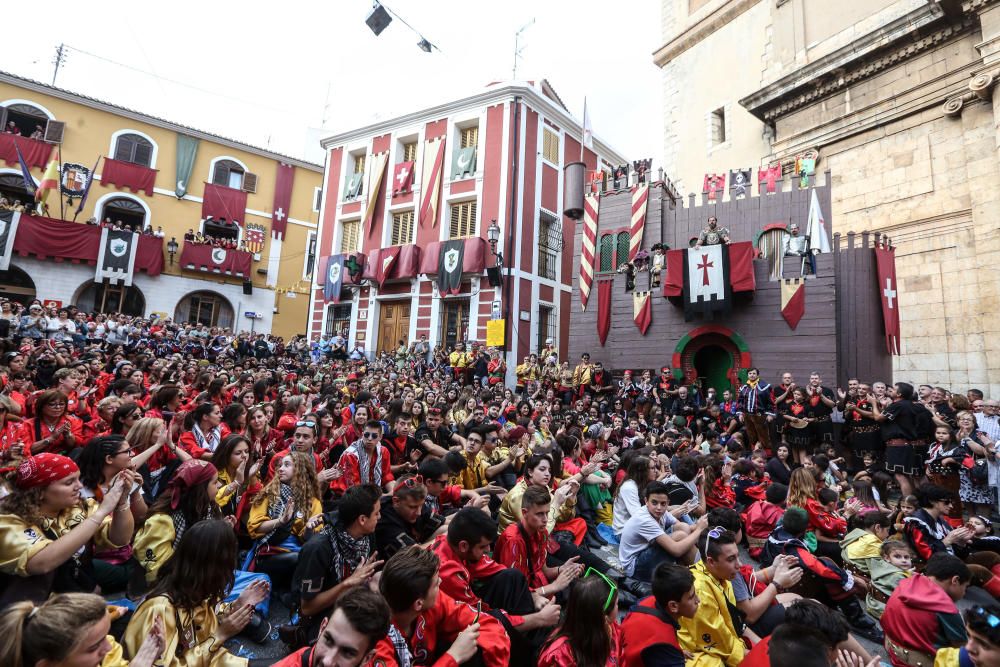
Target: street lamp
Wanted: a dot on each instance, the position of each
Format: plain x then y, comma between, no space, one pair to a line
172,248
493,236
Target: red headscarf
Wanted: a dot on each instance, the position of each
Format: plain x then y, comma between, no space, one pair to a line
189,474
43,469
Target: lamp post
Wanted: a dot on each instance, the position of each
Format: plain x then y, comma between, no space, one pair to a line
172,248
493,236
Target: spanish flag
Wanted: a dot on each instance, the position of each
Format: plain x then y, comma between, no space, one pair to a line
50,181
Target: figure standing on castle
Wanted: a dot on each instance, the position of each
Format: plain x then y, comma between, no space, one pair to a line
713,234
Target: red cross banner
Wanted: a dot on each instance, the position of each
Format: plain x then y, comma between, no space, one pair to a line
402,178
283,183
793,300
431,182
767,179
374,190
714,185
642,311
604,308
885,260
706,280
640,198
591,206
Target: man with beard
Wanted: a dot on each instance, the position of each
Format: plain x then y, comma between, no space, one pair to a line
820,403
756,409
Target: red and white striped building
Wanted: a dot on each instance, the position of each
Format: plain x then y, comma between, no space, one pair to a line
522,135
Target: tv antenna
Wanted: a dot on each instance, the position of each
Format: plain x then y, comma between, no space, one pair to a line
517,45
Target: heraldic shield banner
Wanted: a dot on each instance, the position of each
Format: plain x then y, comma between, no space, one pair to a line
116,258
333,280
450,266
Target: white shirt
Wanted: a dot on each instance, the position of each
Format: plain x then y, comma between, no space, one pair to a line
640,531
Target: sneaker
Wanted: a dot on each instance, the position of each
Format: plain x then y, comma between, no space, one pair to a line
258,629
872,633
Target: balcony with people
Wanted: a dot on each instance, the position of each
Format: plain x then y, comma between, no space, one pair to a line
217,248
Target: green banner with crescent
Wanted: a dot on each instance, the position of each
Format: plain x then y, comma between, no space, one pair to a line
464,162
187,149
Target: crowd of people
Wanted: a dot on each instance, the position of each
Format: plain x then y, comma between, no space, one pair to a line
166,485
214,240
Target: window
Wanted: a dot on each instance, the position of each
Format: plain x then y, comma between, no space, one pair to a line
607,253
27,118
317,199
12,189
622,249
310,263
208,308
402,228
359,163
546,326
463,220
221,230
717,126
550,146
349,240
469,137
229,174
410,152
128,212
135,149
338,319
549,245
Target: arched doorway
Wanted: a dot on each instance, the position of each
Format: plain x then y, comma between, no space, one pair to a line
712,356
17,285
712,364
107,298
126,210
27,117
204,307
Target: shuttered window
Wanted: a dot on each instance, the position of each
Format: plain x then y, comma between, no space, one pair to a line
402,228
469,137
410,152
135,149
607,253
228,173
463,220
359,163
550,146
349,241
622,249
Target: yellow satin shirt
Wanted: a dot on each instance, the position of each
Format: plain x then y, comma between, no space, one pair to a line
154,544
510,508
188,635
20,541
258,515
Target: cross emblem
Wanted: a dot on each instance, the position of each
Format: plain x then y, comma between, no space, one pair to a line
705,266
888,292
279,215
403,174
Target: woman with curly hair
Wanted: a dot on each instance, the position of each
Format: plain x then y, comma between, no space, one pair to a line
829,527
284,514
48,532
69,629
188,600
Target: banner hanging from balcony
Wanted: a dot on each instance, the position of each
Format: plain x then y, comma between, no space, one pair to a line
204,257
374,190
283,182
402,178
885,261
450,266
8,230
116,256
135,177
430,184
187,150
222,202
333,278
35,153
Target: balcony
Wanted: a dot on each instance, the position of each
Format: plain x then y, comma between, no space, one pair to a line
35,153
208,258
47,238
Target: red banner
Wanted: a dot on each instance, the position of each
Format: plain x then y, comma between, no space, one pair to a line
204,257
402,178
283,183
135,177
36,153
741,274
473,257
888,288
604,309
222,202
673,285
642,311
46,238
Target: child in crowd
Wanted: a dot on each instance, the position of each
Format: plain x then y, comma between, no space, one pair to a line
762,516
649,631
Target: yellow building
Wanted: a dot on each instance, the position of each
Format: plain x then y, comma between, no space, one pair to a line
136,183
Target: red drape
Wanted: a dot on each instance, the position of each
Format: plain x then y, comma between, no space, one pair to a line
35,153
203,257
673,285
604,308
741,267
473,259
135,177
406,264
222,202
46,238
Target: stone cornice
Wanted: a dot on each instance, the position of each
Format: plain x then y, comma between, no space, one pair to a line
892,44
690,35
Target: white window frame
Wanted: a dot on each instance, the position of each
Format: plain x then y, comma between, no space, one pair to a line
99,206
211,169
7,103
310,240
156,146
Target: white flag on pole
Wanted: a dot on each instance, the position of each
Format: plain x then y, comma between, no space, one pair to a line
588,131
819,240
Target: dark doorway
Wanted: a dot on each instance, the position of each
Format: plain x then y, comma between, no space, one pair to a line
13,190
712,364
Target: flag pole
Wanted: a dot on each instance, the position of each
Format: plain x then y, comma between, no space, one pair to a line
62,204
583,129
